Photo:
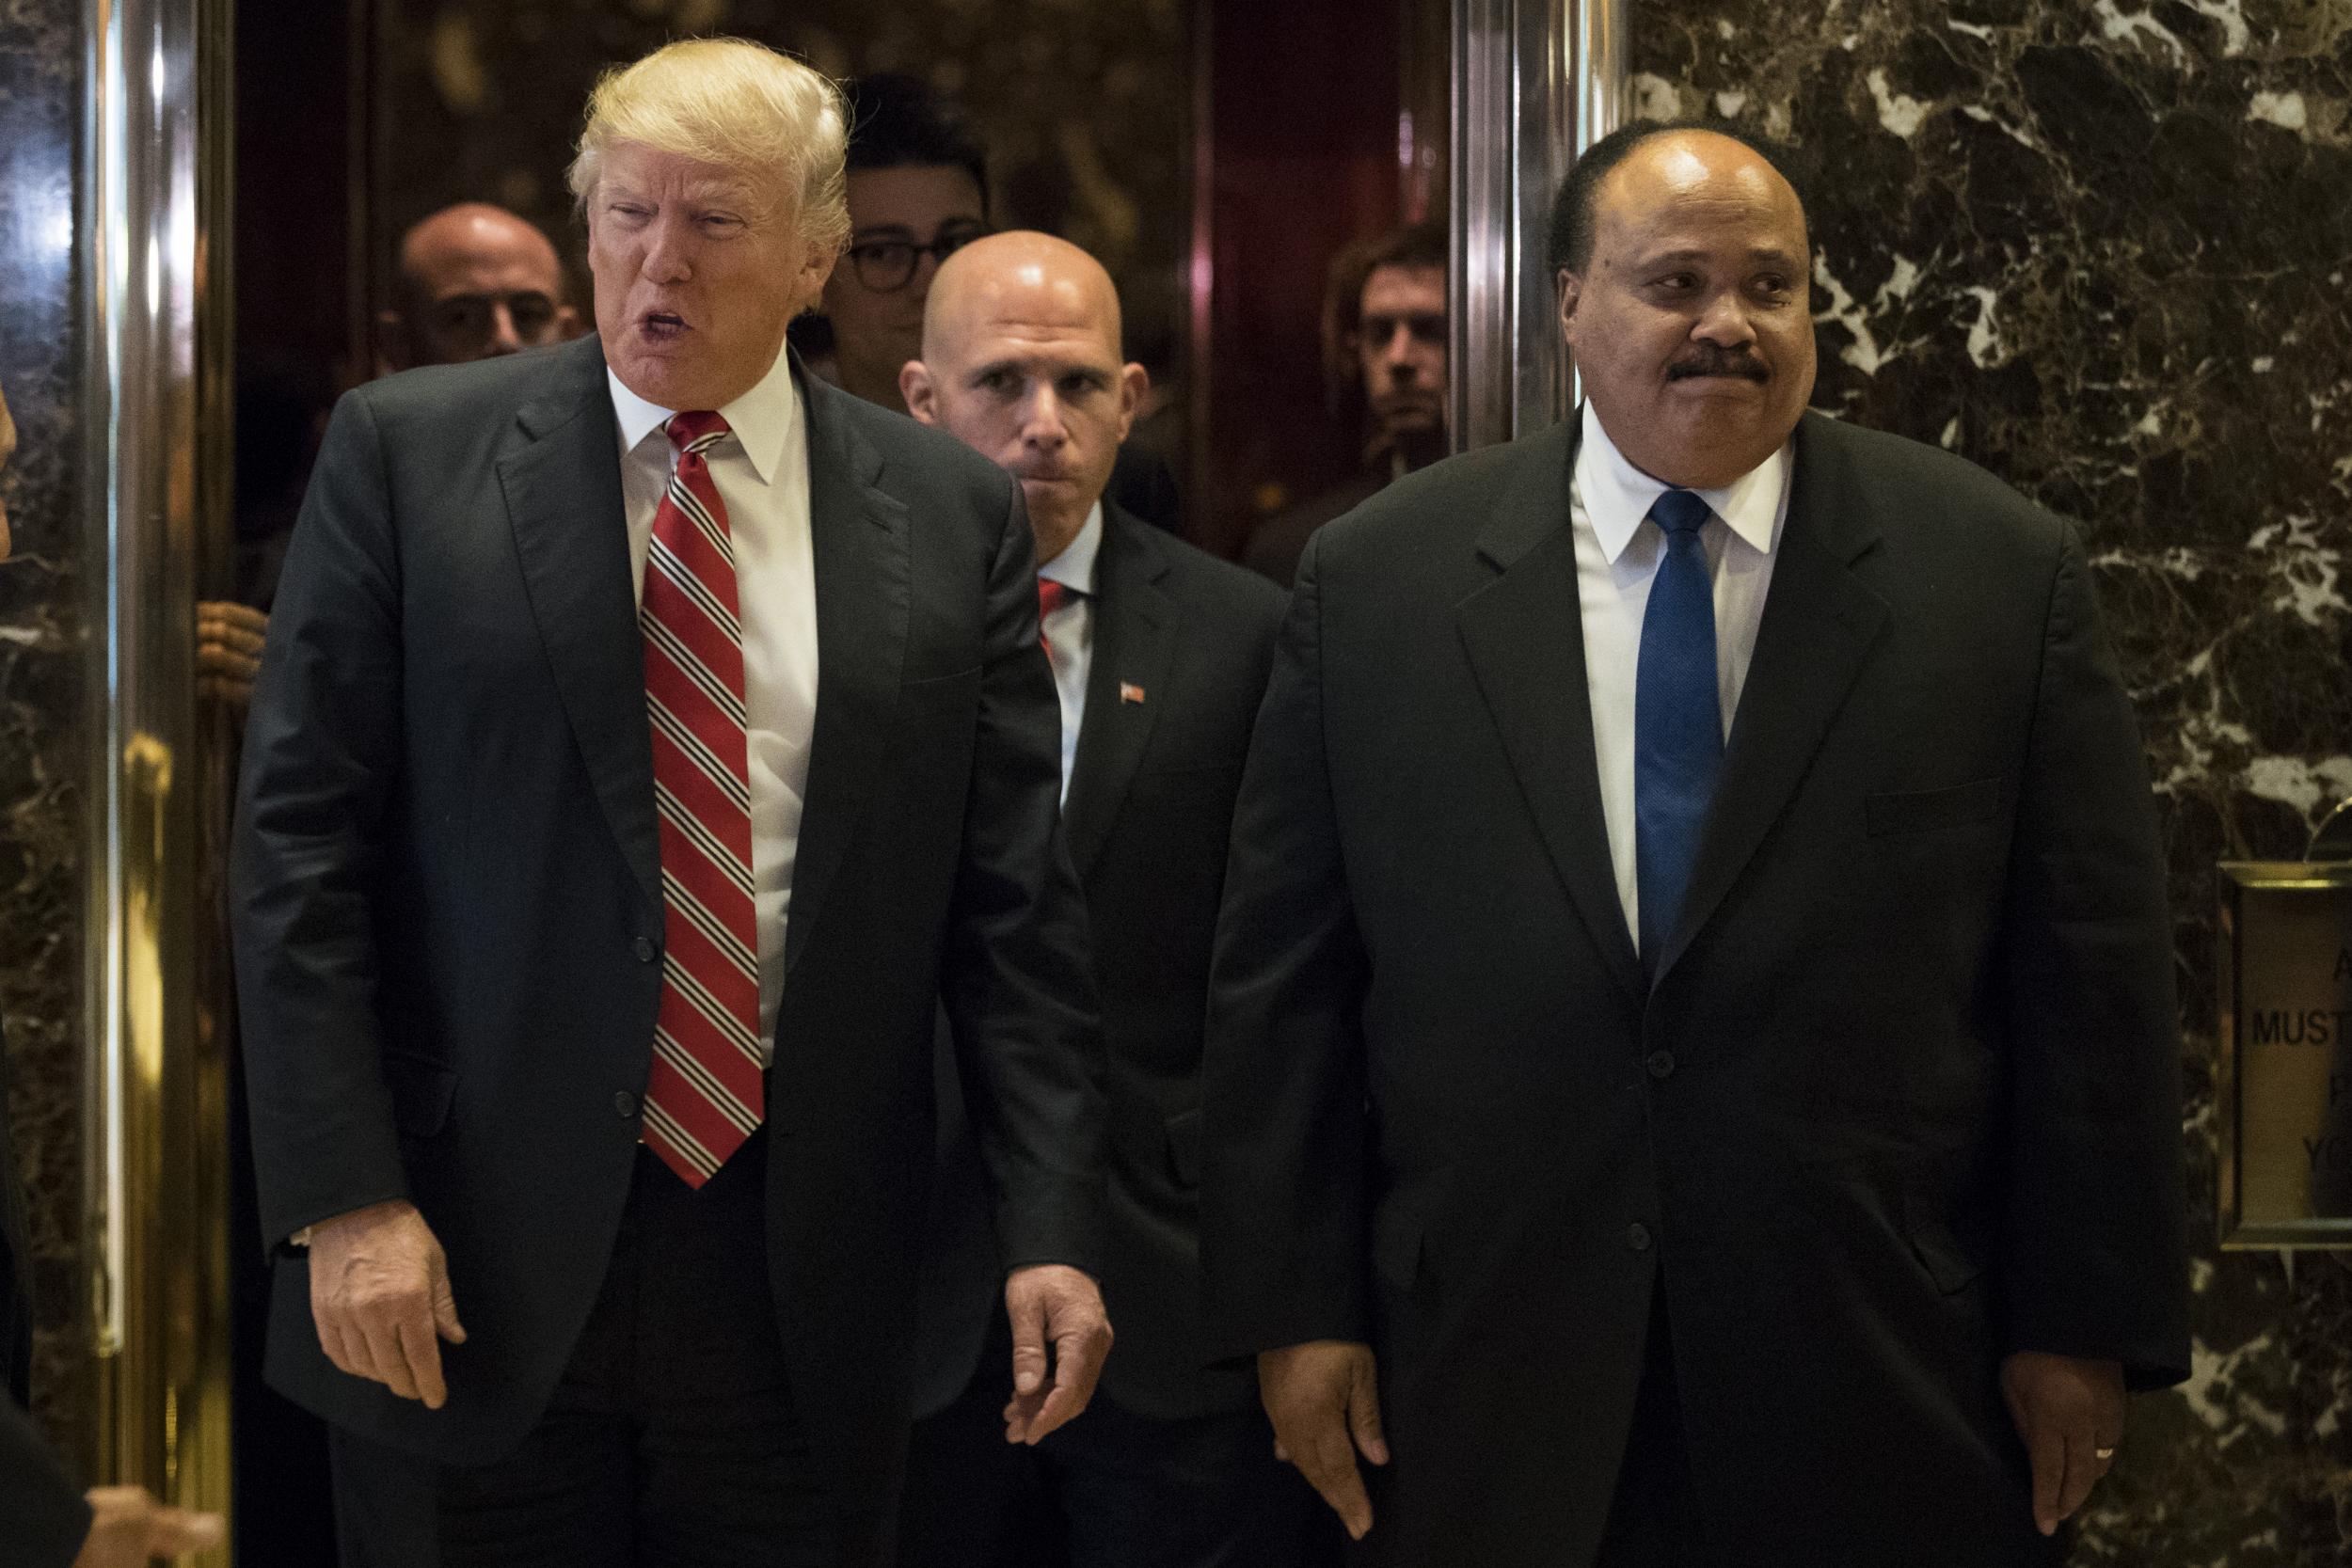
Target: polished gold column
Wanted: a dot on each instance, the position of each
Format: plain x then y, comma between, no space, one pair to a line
153,203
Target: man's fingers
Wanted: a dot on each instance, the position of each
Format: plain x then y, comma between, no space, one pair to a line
1057,1409
445,1322
2082,1470
241,625
1333,1473
1363,1416
174,1531
1077,1367
421,1355
2047,1451
358,1352
1029,1344
331,1341
390,1360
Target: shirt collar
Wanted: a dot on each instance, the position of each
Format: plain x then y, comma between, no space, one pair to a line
1074,567
762,419
1617,496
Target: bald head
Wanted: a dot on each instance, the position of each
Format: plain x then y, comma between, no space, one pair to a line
1017,277
1021,362
475,281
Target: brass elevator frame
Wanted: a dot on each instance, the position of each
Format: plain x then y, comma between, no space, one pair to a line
154,200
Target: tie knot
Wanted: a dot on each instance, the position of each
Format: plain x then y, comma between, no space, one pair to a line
696,429
1051,595
1679,512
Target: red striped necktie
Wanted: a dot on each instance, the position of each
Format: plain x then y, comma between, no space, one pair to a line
705,1094
1051,597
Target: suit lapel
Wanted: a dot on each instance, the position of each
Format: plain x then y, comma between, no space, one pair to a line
1135,626
564,501
860,543
1820,621
1524,636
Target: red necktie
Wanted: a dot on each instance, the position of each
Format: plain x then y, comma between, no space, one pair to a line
1051,597
705,1094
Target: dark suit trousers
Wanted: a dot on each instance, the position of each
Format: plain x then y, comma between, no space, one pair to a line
672,1441
1113,1489
1654,1517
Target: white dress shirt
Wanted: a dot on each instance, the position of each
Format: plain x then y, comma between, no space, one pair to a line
1069,632
1617,555
761,472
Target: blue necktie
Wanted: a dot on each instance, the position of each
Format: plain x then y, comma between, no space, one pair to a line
1678,720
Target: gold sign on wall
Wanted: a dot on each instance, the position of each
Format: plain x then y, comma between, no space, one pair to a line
2285,1084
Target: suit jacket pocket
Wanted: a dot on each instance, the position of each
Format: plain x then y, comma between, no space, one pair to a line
1947,1259
1184,1148
937,685
1919,810
422,1089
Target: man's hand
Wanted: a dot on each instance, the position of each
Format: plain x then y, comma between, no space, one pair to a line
227,650
1324,1400
129,1528
2069,1413
380,1295
1053,1303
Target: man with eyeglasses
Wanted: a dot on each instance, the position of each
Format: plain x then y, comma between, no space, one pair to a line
918,191
919,188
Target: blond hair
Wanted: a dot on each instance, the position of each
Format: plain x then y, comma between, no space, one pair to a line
740,105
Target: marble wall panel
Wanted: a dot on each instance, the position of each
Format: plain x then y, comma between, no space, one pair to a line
41,667
2100,246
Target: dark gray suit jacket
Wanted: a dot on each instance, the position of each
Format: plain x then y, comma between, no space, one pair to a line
1902,1098
447,907
1150,807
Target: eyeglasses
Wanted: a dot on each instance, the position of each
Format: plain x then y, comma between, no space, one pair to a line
885,266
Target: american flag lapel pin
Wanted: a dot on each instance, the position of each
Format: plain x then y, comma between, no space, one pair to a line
1130,692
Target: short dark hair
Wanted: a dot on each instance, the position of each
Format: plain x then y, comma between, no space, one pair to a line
899,121
1417,245
1570,244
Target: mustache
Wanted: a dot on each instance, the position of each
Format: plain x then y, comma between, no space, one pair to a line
1710,360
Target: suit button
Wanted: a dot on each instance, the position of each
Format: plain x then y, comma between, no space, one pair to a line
623,1104
1661,1064
1637,1236
646,951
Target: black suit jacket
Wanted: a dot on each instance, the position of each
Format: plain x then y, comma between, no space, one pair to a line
448,894
42,1517
1902,1098
1150,806
1280,540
